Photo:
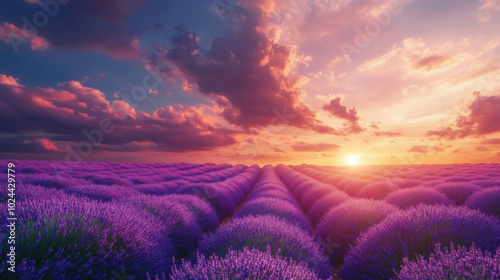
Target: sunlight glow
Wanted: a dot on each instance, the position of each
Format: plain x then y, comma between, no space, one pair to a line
352,160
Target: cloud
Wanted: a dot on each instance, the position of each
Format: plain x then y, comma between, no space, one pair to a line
245,71
278,150
482,118
419,149
340,111
482,149
66,111
386,134
438,148
317,147
492,141
95,25
336,109
430,62
8,31
27,144
487,9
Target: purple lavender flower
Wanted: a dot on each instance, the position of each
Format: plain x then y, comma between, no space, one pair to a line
486,200
414,232
275,207
340,227
458,191
251,264
324,204
181,224
314,194
460,263
29,192
377,190
271,186
406,198
206,217
218,197
160,188
352,185
48,181
82,239
101,192
257,232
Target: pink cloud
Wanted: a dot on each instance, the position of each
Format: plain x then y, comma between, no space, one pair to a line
246,72
430,62
493,141
10,32
47,144
58,112
419,149
105,28
317,147
340,111
336,109
387,134
482,149
8,80
482,118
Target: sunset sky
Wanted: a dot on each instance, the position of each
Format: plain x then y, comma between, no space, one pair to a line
251,81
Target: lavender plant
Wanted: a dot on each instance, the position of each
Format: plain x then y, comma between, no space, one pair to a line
458,191
413,232
486,200
452,264
340,227
324,204
275,207
250,264
257,232
405,198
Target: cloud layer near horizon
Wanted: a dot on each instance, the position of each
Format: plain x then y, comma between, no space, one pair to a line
49,119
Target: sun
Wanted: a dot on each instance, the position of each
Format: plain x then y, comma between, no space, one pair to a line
352,160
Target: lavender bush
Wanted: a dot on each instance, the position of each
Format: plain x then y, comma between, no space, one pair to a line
257,232
352,185
218,197
48,181
206,217
29,192
415,232
406,198
458,191
486,200
101,192
324,204
377,190
453,264
277,208
312,195
340,227
82,239
247,264
179,222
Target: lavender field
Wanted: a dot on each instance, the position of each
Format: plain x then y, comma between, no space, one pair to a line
105,220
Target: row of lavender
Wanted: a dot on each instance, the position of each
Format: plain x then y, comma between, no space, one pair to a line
111,181
278,227
81,230
268,238
381,224
476,186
